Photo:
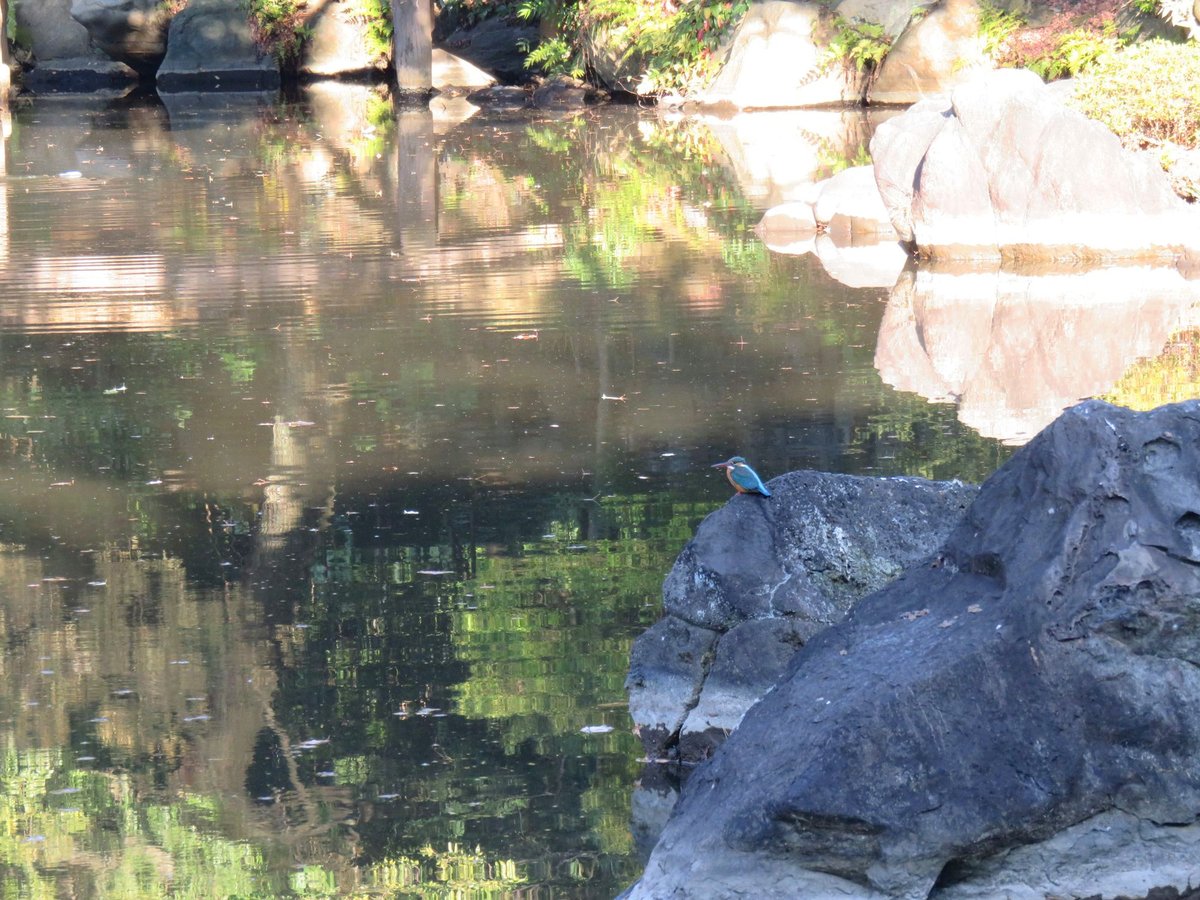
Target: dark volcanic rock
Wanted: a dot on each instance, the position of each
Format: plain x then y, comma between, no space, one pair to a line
819,543
500,96
80,74
762,576
1039,683
564,92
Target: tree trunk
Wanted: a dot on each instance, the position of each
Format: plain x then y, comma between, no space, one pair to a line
4,58
412,45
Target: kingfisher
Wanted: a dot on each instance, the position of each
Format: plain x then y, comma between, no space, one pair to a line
743,478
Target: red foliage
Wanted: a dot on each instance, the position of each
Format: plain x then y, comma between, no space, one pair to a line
1031,42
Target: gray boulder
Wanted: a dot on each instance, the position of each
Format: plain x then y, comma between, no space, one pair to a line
500,96
131,31
564,92
1003,169
758,580
210,47
850,201
51,32
81,74
65,60
613,57
1024,711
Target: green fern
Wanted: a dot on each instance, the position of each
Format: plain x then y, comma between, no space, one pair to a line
863,43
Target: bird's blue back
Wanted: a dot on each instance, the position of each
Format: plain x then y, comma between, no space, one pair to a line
747,479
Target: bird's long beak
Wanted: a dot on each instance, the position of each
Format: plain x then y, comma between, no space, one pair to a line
721,465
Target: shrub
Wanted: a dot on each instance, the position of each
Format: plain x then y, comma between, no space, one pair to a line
376,17
996,27
677,41
1069,41
863,43
1147,94
278,27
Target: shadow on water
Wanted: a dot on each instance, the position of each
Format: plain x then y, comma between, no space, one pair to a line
344,451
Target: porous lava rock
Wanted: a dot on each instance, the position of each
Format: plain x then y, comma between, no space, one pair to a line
761,577
988,719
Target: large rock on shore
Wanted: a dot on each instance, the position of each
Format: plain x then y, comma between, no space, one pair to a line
778,58
130,31
1004,169
1019,719
759,579
936,52
210,47
51,32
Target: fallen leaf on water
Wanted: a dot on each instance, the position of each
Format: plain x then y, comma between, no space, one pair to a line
913,614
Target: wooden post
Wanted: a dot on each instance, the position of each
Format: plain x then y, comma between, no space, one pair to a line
5,76
412,45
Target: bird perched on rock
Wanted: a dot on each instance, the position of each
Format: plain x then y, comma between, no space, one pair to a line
743,478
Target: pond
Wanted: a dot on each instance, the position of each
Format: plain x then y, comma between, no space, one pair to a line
344,451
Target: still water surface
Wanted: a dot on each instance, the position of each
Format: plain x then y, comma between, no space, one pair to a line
342,456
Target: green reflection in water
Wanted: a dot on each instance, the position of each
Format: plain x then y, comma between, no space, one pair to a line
65,831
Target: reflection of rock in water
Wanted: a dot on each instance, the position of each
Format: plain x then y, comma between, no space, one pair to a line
1015,349
776,155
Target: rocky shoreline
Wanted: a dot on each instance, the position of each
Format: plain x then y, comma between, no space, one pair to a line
1014,715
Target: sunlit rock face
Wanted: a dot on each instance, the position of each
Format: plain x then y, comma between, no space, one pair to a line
781,56
338,45
759,579
1038,684
777,58
937,51
1013,349
1004,169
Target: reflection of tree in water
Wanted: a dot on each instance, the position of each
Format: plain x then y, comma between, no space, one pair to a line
267,776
